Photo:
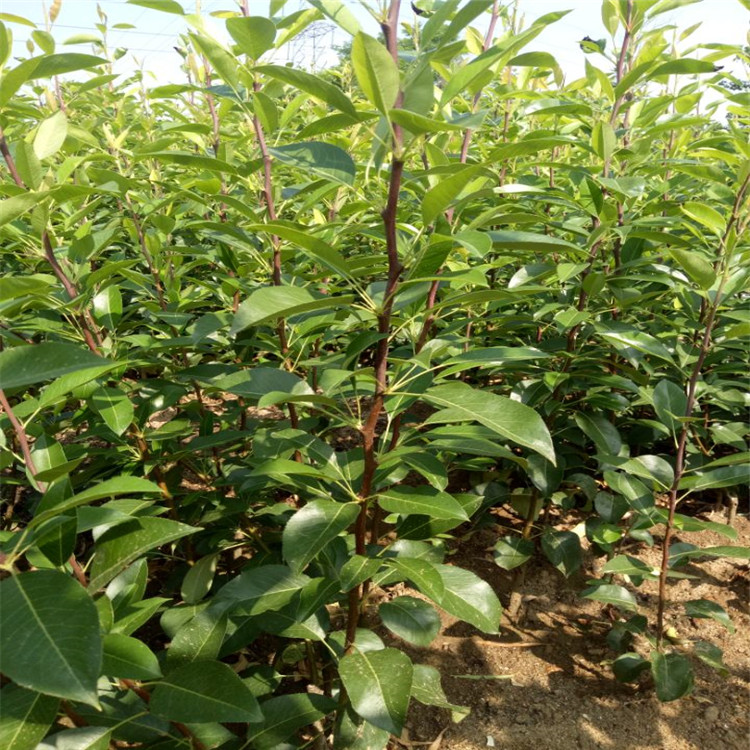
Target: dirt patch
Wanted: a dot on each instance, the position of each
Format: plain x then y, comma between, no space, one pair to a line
558,690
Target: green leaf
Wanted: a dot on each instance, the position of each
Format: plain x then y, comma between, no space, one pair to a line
611,594
422,500
603,140
114,407
49,635
108,306
531,241
711,655
695,266
419,124
604,434
50,135
411,619
683,66
312,527
441,195
124,485
354,733
198,639
708,609
198,580
324,159
643,342
57,538
204,691
254,34
428,690
378,684
376,72
28,365
260,589
119,546
706,215
26,717
128,658
512,551
12,208
627,667
223,62
469,598
726,476
511,419
310,84
271,302
166,6
356,570
337,11
563,550
670,403
81,738
673,676
284,715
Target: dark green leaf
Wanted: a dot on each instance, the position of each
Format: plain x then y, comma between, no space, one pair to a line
284,715
379,686
320,158
512,551
28,365
673,676
709,609
204,691
129,658
49,635
563,550
26,717
411,619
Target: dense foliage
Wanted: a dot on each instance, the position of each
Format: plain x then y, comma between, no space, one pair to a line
271,340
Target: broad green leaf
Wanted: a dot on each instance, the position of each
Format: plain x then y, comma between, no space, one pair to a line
726,476
323,159
683,66
45,66
711,655
439,197
512,551
673,676
422,500
50,135
611,594
114,407
419,124
706,215
695,266
411,619
378,684
376,72
511,419
356,570
198,639
428,690
26,717
198,580
312,527
49,635
469,598
126,542
186,159
627,667
56,538
310,84
563,550
627,565
603,140
254,34
204,691
108,306
670,403
129,658
260,589
708,609
271,302
533,60
283,715
643,342
338,12
18,205
604,434
28,365
124,485
531,241
166,6
80,738
354,733
223,62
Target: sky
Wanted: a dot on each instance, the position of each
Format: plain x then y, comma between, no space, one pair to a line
154,34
